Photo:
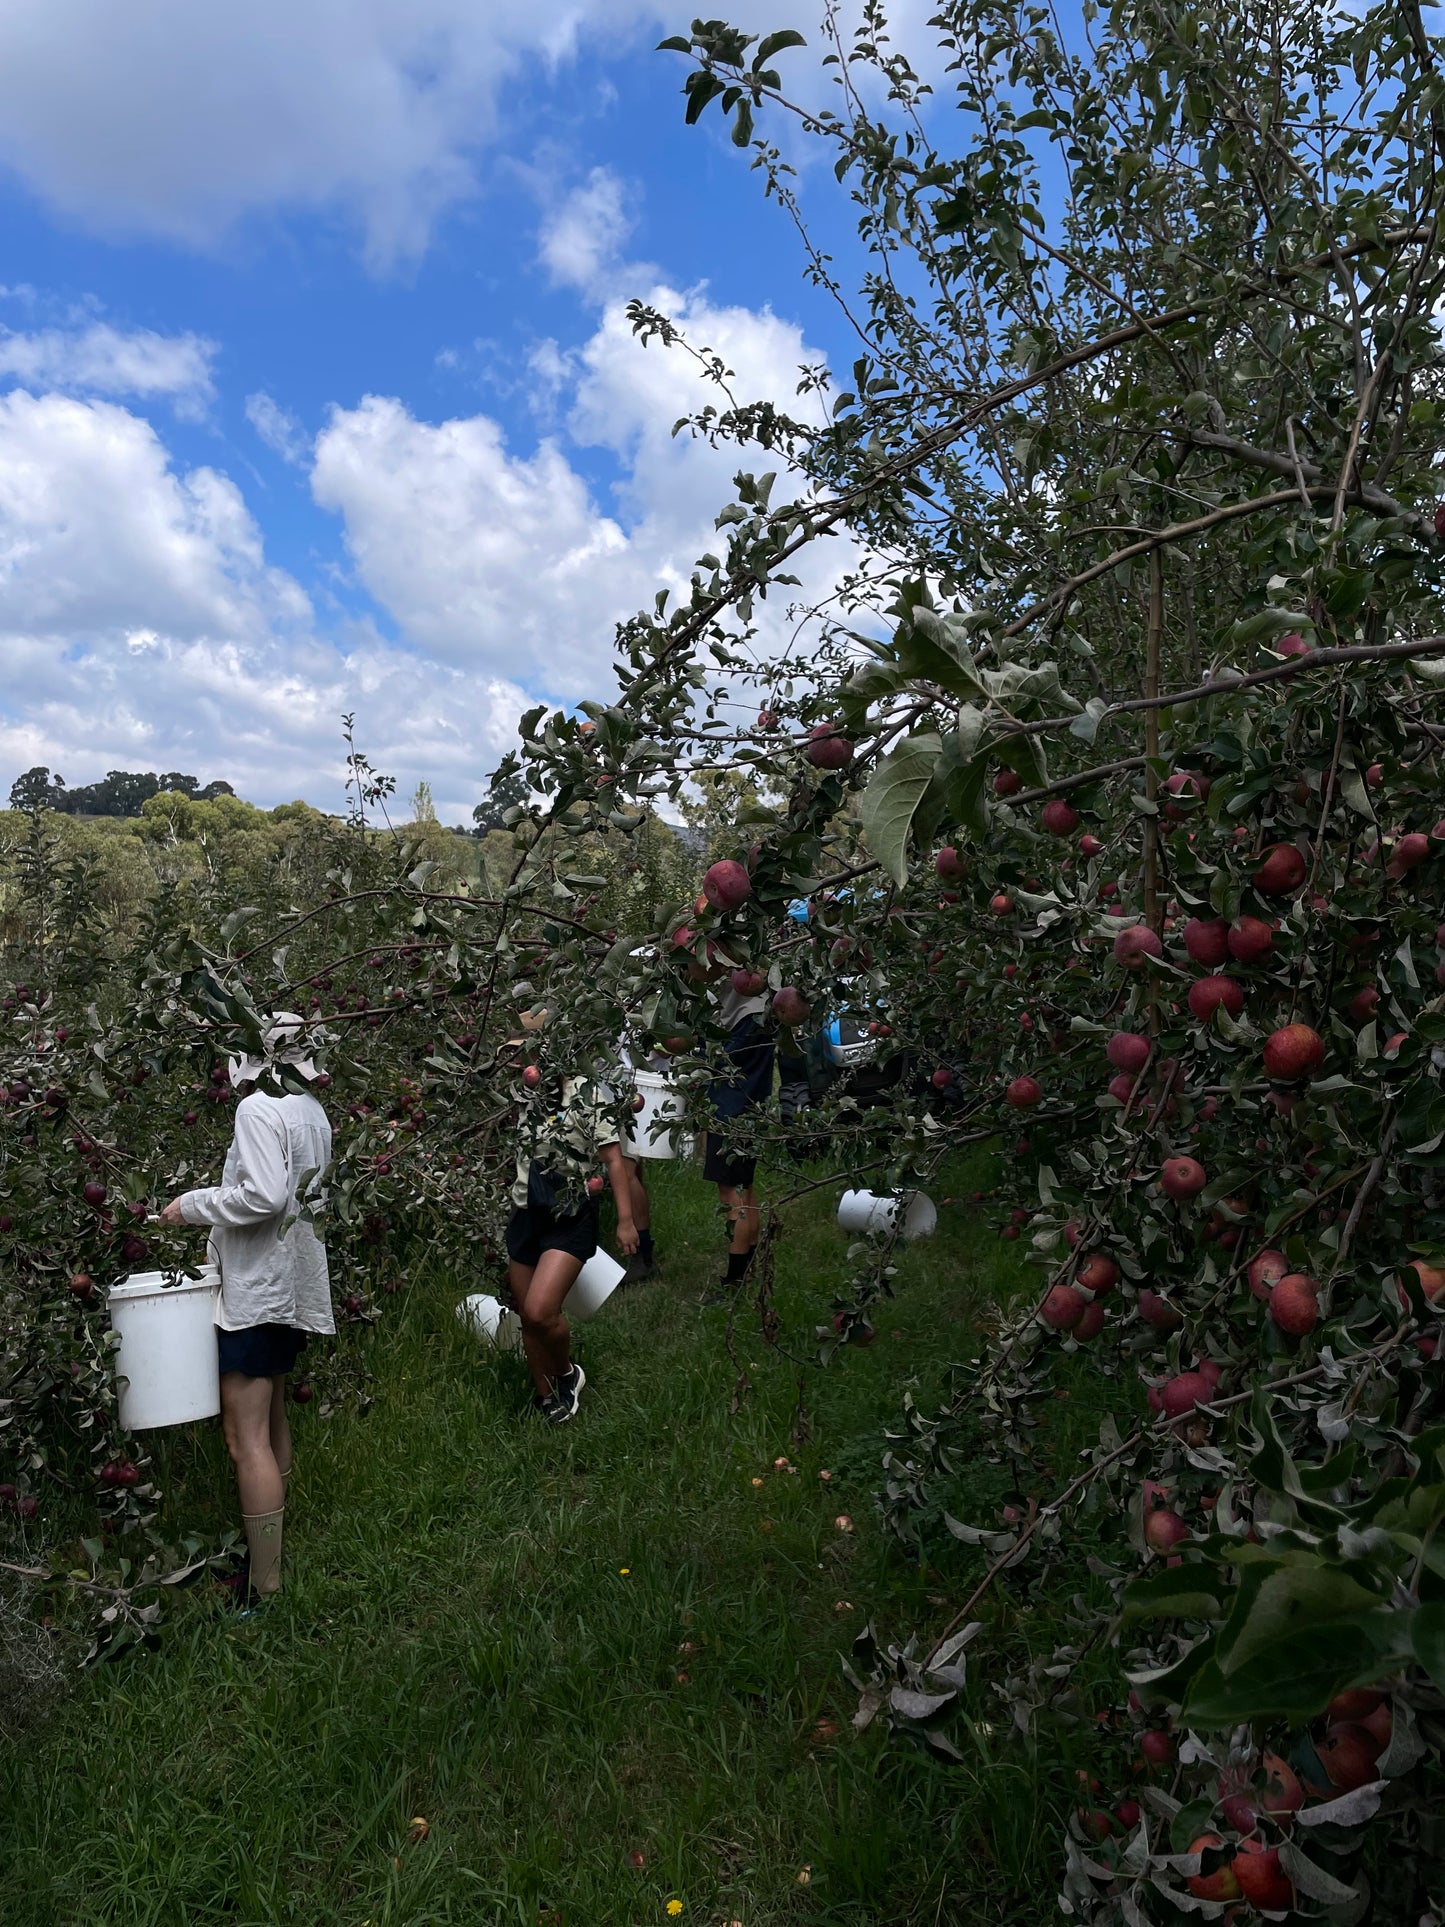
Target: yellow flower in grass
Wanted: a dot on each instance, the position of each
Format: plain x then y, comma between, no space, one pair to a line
674,1906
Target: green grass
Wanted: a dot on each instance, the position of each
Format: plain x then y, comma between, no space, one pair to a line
562,1648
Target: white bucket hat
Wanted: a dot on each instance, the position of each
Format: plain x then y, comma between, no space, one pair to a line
284,1045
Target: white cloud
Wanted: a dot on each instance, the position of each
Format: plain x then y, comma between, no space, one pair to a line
142,627
178,118
492,558
171,118
582,236
102,360
277,427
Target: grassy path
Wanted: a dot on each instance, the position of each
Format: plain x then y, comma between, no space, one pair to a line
601,1663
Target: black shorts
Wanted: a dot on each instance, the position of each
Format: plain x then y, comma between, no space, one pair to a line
746,1084
260,1351
533,1229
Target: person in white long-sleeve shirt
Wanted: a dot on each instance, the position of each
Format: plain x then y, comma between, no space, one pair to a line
275,1288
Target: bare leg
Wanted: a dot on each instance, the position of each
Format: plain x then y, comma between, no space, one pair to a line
280,1427
546,1335
740,1205
641,1202
246,1421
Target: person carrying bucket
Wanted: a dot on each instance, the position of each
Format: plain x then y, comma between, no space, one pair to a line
554,1225
275,1287
634,1057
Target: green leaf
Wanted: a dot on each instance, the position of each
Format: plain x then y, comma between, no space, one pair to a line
774,43
1296,1678
939,649
1294,1598
1185,1592
889,803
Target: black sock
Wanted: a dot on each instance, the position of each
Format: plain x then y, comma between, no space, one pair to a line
738,1262
644,1244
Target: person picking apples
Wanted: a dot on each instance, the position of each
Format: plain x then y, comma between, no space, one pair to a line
554,1225
745,1084
275,1287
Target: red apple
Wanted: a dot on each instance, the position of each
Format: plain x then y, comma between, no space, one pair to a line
748,983
1163,1529
1187,784
1294,1304
594,1186
1282,872
1361,1006
727,885
1126,1050
1283,1791
941,1078
1219,1885
1127,1813
1240,1810
790,1006
301,1393
531,1077
1158,1312
1408,854
639,1103
1122,1086
1156,1746
1207,940
949,864
1090,846
1292,645
1206,994
1062,1308
1355,1703
1134,945
1432,1279
828,748
1098,1272
1023,1093
1183,1392
1007,782
1091,1324
94,1194
1001,905
1265,1271
1348,1754
81,1284
1060,818
1250,940
1260,1877
1292,1052
1182,1177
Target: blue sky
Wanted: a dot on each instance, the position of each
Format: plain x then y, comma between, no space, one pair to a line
316,392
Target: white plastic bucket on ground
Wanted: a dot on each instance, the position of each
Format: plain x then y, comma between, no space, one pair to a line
661,1099
166,1366
596,1282
866,1211
492,1321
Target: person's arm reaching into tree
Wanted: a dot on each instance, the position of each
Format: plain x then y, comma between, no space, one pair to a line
615,1165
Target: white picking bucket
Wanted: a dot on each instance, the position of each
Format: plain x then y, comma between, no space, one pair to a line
661,1099
492,1321
596,1282
866,1211
167,1370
